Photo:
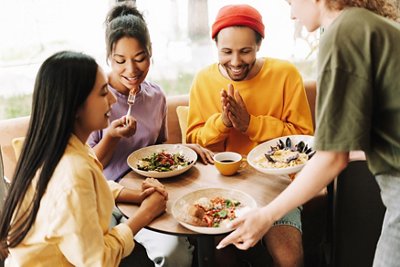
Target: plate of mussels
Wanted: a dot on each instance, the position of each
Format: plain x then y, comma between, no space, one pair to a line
283,155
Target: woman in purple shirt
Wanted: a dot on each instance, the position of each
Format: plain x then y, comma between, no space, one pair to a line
129,51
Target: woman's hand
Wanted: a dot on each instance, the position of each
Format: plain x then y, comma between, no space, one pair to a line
136,196
251,227
156,185
122,127
153,206
205,154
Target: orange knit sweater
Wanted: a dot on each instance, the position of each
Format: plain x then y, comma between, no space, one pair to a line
275,99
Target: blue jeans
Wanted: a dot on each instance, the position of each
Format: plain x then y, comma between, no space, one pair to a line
387,252
292,218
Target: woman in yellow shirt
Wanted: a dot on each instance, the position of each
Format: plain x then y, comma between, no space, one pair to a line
59,205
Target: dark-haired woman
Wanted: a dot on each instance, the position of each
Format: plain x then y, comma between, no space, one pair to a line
58,208
129,53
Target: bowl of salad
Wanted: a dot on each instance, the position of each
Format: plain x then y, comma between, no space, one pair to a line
162,161
209,210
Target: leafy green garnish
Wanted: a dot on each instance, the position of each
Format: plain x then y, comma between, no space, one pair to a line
222,213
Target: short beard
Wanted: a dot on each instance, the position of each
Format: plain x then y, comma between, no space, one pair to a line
249,68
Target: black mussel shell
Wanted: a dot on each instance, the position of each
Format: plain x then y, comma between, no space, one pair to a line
300,146
271,152
310,154
288,143
305,148
281,145
269,158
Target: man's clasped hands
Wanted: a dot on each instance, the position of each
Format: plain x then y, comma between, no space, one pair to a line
234,111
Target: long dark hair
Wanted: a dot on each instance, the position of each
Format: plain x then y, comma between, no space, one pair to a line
62,85
124,20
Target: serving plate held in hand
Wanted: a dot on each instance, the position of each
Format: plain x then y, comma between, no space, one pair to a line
135,159
181,207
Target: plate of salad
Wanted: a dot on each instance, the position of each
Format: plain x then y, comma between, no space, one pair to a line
162,161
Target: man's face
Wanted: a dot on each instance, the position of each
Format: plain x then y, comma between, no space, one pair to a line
237,49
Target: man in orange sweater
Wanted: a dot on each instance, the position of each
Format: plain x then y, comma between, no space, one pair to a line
242,101
267,97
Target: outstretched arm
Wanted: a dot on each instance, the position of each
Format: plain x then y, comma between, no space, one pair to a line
316,174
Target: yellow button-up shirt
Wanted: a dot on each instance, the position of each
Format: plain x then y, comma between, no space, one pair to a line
72,224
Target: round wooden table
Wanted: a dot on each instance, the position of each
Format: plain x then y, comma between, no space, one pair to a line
262,187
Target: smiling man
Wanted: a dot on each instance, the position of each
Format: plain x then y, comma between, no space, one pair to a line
242,101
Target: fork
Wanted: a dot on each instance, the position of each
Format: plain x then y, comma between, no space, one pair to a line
131,101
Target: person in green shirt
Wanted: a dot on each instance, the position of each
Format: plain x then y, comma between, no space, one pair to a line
359,64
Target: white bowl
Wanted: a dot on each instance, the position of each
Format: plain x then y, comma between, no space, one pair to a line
262,148
181,206
139,154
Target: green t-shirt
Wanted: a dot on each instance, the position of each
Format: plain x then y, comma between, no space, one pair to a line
358,104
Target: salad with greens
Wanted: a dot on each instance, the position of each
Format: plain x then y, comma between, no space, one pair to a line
213,212
163,162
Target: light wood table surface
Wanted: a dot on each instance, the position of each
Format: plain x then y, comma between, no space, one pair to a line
262,187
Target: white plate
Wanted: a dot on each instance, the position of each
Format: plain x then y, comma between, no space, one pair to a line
139,154
259,150
181,206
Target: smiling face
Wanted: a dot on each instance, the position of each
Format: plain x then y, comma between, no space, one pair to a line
307,12
94,113
129,65
237,49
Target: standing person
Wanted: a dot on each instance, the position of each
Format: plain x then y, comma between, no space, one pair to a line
129,50
358,68
265,99
58,207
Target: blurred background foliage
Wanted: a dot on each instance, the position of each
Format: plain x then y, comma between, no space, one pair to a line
181,41
15,106
179,31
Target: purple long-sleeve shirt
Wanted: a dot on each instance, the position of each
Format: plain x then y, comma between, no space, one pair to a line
150,111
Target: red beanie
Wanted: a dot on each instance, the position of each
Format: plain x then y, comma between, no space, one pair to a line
238,15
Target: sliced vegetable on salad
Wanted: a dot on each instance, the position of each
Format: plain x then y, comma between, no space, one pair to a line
163,162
